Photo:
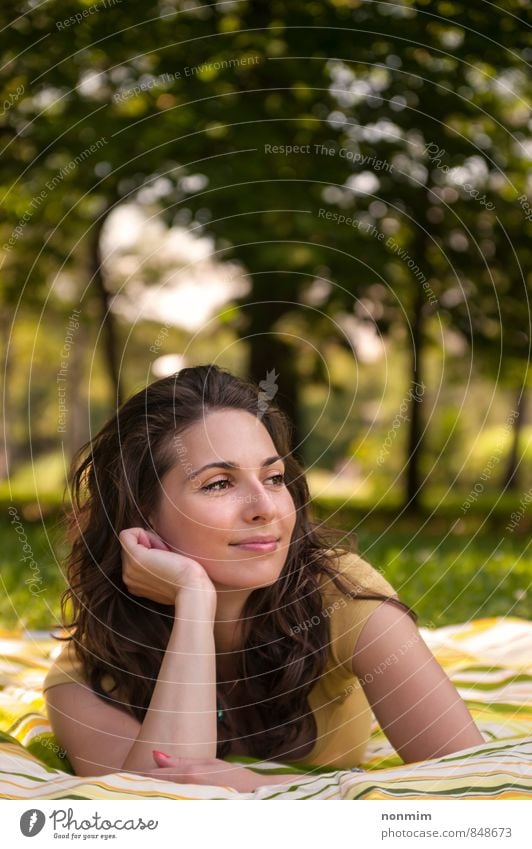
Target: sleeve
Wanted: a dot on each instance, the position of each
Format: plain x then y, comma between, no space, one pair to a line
347,616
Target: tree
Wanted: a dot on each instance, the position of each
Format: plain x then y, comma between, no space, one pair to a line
442,122
124,113
252,122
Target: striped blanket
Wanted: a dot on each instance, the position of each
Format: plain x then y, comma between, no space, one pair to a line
488,660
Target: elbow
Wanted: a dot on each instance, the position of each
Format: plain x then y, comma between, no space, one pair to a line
468,739
88,770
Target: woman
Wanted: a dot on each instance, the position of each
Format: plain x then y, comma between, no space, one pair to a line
212,617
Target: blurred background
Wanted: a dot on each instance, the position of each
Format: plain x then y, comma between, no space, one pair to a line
333,198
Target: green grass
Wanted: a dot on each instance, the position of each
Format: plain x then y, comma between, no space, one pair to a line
449,569
30,590
453,579
447,572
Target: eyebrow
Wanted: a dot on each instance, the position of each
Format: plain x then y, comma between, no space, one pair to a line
228,464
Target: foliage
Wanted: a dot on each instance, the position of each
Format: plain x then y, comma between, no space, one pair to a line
302,139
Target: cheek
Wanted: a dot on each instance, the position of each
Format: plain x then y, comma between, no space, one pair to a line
201,525
195,528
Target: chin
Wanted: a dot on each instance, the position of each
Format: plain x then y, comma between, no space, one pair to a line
247,587
245,575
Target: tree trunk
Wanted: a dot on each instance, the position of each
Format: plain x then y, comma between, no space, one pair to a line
109,329
413,473
272,360
6,318
79,429
511,475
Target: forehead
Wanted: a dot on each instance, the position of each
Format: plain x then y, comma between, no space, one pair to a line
228,435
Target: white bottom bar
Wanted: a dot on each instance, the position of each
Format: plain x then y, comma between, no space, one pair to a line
253,825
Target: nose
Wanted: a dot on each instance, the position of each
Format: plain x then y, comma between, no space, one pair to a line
258,503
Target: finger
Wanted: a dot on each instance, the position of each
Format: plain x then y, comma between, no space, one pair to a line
128,537
132,546
143,539
162,759
156,541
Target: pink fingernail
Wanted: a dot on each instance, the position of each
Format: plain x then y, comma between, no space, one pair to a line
161,754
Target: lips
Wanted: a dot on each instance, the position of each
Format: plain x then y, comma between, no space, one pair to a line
258,544
256,541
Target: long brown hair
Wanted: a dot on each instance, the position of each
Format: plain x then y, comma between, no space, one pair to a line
115,484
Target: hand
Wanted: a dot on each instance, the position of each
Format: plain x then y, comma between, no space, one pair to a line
151,569
212,771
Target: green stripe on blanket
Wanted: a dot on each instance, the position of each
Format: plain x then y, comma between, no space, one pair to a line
500,771
488,660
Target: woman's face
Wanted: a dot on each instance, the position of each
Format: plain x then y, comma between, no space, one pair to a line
207,513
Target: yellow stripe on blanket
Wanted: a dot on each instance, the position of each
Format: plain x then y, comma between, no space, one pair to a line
489,660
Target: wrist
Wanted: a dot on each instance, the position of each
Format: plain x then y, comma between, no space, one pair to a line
198,603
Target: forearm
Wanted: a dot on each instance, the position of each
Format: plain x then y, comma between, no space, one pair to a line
181,717
219,773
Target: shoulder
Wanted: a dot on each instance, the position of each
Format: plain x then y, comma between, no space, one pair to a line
68,669
348,614
65,668
359,575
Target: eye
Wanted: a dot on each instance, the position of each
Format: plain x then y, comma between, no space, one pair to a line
211,486
215,486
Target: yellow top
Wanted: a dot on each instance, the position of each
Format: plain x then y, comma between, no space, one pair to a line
341,710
